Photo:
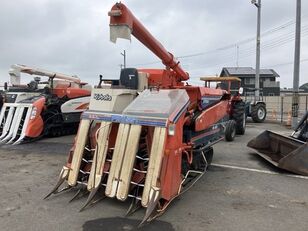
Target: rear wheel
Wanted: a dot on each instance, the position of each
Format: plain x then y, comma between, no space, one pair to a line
230,130
258,113
239,116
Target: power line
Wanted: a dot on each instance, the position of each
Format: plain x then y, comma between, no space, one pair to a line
281,27
286,64
230,58
245,41
272,66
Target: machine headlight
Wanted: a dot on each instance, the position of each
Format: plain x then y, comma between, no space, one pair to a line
33,113
171,130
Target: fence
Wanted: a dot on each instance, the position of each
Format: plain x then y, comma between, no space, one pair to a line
279,108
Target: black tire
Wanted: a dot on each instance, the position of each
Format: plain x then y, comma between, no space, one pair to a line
230,130
239,116
258,113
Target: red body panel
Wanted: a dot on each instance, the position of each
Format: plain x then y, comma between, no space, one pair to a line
77,92
212,115
171,174
83,106
211,91
195,93
171,166
36,124
59,92
70,92
161,78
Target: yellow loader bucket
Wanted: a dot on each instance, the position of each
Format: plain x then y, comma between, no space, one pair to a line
284,152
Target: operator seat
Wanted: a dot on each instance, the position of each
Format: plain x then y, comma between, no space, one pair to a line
129,78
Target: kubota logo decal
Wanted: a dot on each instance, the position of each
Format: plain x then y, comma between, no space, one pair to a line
103,97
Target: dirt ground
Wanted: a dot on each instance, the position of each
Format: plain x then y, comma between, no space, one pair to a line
232,195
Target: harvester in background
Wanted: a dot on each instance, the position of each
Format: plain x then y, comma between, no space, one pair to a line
148,136
41,108
288,153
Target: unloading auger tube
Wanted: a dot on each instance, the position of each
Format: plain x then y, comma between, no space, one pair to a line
147,137
123,23
42,72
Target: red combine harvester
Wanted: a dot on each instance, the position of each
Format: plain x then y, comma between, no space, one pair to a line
149,135
41,108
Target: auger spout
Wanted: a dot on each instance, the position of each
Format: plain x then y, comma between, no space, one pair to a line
123,23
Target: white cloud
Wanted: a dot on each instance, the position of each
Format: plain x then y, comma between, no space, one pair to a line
73,36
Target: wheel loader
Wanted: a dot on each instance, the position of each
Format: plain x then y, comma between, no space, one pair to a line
148,136
41,108
288,153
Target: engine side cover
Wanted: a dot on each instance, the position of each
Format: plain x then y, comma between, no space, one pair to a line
75,105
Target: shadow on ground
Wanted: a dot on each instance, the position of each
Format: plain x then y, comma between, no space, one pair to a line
119,224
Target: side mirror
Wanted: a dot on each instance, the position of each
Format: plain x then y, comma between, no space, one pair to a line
241,91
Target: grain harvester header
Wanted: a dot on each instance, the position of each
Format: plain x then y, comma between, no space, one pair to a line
49,107
148,137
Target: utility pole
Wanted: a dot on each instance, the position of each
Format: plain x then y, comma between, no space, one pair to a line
258,49
124,56
295,97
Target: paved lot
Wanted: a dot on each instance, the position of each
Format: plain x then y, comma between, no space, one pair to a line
226,198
